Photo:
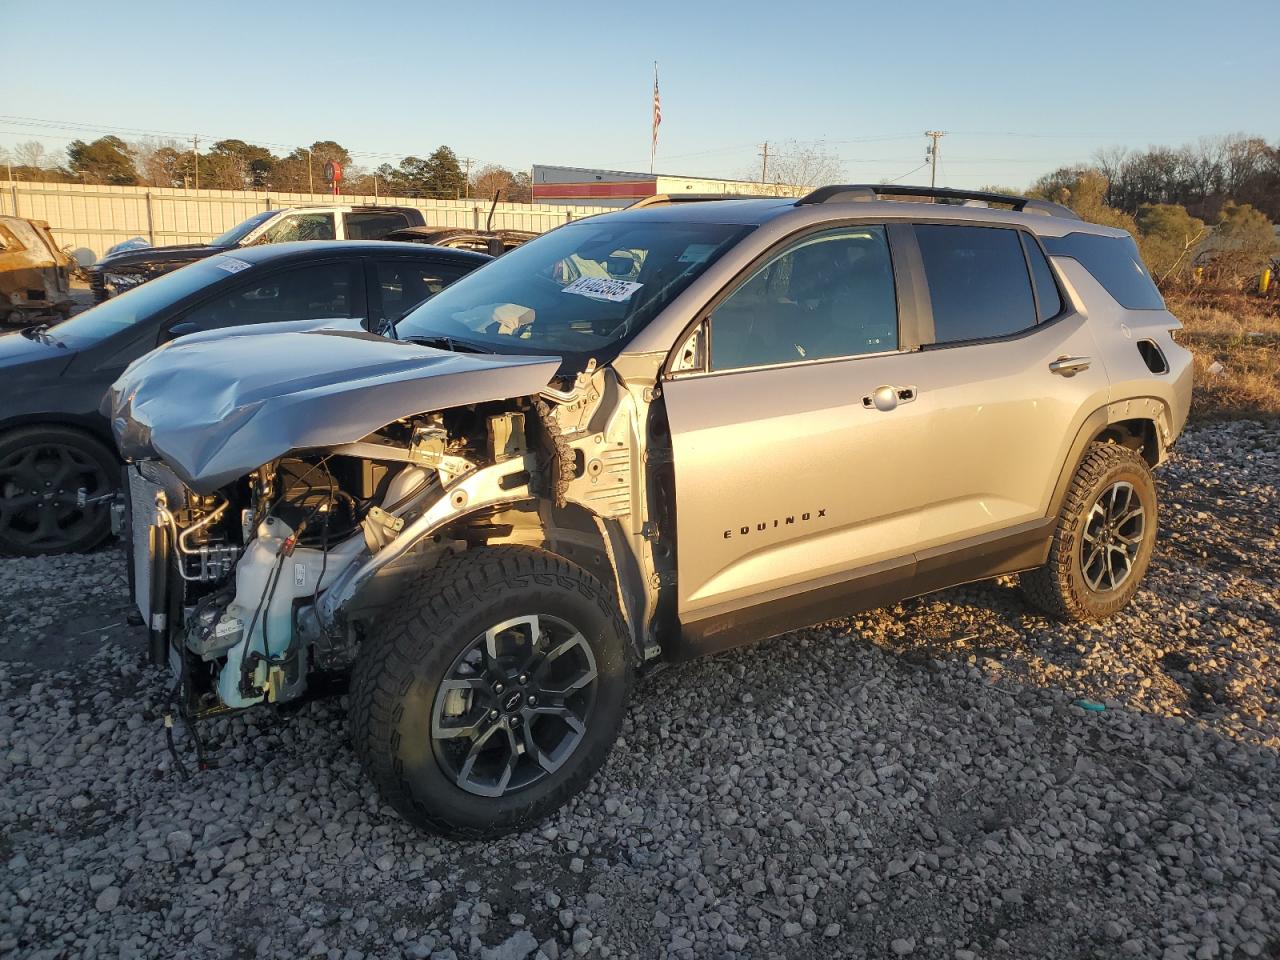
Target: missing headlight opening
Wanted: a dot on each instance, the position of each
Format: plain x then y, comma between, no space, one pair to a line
252,560
258,587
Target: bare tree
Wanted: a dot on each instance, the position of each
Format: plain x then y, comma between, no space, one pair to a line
1111,161
31,154
797,167
162,162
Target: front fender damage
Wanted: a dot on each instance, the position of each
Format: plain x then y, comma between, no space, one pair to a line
362,464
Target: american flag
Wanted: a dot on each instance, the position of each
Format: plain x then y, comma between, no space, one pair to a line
657,114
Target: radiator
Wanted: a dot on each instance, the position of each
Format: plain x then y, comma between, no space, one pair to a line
146,479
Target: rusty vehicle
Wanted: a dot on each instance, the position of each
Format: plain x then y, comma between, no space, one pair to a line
35,275
642,437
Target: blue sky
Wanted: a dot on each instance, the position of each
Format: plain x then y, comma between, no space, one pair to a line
1020,87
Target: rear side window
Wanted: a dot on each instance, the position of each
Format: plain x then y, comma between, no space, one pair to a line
978,282
374,226
1114,263
1047,296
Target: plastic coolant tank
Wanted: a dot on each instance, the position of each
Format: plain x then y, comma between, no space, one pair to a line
273,631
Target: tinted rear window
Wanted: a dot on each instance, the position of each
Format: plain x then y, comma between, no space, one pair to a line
978,282
1114,263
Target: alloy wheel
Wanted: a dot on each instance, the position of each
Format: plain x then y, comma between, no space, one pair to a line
514,705
1113,534
39,487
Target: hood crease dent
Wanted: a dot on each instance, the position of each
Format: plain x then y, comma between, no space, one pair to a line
217,406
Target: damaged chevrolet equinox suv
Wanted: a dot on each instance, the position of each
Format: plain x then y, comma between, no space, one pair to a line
642,437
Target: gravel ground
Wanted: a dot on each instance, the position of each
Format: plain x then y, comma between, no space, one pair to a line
915,782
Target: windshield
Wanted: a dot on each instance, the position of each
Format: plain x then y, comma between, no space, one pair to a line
577,291
123,311
241,230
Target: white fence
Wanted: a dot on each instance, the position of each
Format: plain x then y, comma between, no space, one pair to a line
89,219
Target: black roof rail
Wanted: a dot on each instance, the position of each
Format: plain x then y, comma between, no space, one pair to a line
663,199
873,191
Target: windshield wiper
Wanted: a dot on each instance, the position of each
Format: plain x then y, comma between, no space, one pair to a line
452,344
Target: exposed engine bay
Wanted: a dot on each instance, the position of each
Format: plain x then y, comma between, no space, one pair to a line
254,589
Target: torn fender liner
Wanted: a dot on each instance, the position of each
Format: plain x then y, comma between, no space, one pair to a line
217,407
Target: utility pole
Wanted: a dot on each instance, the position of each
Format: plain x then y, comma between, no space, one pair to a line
195,158
466,177
764,162
311,183
935,136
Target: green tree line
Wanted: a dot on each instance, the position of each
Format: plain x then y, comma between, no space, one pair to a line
239,165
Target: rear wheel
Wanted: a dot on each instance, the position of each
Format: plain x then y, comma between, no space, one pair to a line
42,471
493,693
1103,542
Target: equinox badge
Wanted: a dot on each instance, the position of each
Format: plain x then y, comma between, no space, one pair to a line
763,525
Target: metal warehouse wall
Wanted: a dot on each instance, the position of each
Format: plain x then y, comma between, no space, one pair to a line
90,219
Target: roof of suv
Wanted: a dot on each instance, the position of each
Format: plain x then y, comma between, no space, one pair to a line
305,249
842,203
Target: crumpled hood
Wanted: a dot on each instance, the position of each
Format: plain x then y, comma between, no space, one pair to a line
216,406
143,255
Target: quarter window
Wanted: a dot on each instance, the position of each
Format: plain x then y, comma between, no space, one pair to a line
1114,263
978,282
828,295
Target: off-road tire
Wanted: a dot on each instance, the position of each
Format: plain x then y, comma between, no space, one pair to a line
401,664
86,535
1059,587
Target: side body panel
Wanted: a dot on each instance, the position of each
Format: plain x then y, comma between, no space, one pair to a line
785,479
791,481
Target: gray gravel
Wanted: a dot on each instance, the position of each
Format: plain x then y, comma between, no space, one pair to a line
916,782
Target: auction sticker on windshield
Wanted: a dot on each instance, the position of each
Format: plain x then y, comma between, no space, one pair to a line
599,288
232,265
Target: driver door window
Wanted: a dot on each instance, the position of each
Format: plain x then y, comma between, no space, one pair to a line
307,293
828,295
300,226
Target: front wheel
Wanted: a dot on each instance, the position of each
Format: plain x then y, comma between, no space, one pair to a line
42,471
493,693
1103,542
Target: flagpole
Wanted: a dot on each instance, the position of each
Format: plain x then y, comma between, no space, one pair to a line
653,139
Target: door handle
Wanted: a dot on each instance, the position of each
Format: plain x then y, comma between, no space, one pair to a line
1069,366
888,397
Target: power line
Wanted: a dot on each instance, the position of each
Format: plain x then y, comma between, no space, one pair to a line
908,173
